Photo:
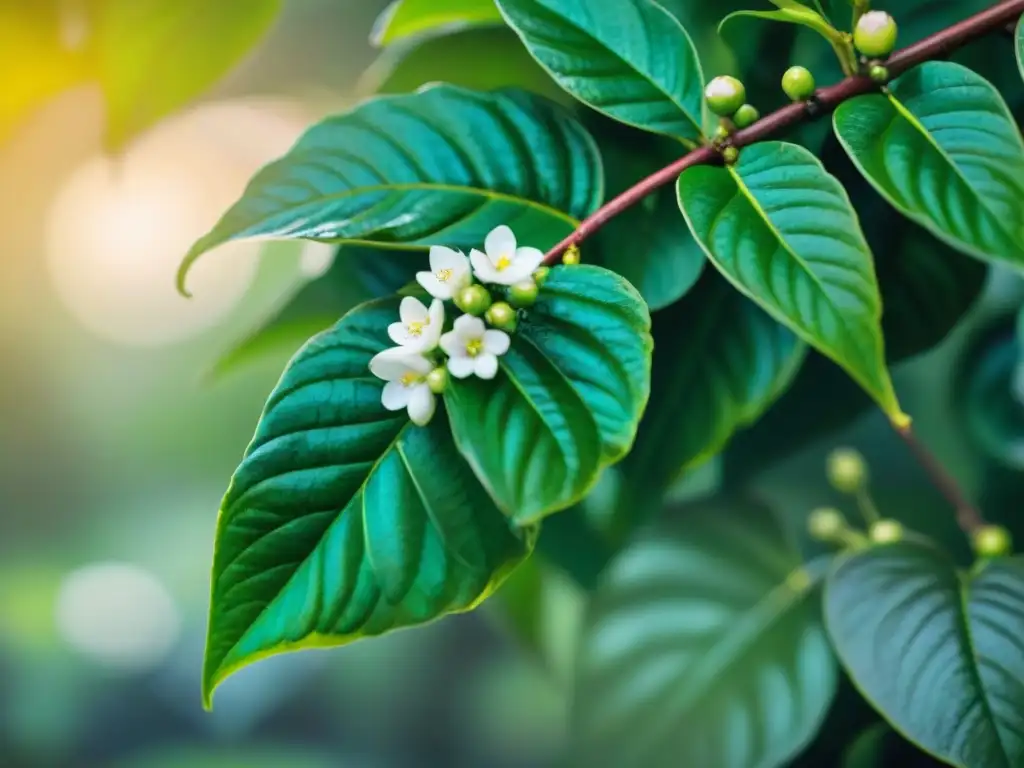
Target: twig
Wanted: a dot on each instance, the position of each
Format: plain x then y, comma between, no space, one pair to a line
937,46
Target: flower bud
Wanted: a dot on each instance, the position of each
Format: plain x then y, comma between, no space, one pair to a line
846,470
879,73
571,255
798,83
886,532
721,132
473,300
437,380
730,155
725,95
501,316
746,116
541,274
826,524
875,35
523,293
992,541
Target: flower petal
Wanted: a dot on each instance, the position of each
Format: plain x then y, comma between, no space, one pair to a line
529,257
496,342
395,396
452,345
412,310
501,242
399,334
482,267
486,365
421,405
391,364
468,328
436,313
461,367
433,286
446,258
513,274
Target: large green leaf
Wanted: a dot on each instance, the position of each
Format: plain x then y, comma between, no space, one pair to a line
702,647
630,59
404,19
721,363
442,166
943,148
344,520
782,230
157,55
938,652
1019,37
568,396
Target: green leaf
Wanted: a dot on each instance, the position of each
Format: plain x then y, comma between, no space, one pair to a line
1020,45
782,230
722,363
867,750
157,55
945,151
441,166
702,647
990,397
798,14
344,520
630,59
404,19
937,652
568,396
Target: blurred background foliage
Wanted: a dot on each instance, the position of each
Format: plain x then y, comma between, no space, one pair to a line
126,127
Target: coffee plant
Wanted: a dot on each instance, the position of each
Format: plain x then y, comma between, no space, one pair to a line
644,251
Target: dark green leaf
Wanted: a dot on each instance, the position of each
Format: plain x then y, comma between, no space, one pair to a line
802,15
782,230
568,396
943,148
630,59
702,647
866,751
344,520
157,55
938,652
1020,45
441,166
404,19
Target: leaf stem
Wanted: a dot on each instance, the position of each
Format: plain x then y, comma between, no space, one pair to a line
866,505
936,46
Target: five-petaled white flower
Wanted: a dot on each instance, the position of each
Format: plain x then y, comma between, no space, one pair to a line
420,328
503,262
449,273
473,348
406,375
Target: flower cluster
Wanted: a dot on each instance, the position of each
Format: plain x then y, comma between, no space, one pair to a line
417,369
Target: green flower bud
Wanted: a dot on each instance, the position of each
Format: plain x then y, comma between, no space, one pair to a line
886,532
875,35
746,116
798,83
846,470
878,73
523,293
826,524
473,300
437,380
541,274
501,316
721,132
730,155
571,255
992,541
725,95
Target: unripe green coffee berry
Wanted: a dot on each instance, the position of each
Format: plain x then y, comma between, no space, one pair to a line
541,274
571,255
730,155
886,532
473,300
725,95
746,116
523,293
992,541
437,380
846,470
826,524
878,73
875,35
501,316
798,83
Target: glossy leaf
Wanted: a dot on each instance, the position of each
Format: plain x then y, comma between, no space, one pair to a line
344,520
938,652
404,19
568,396
630,59
867,749
157,55
782,230
702,647
441,166
802,15
1019,37
945,151
990,398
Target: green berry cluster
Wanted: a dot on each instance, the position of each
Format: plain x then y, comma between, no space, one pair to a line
476,300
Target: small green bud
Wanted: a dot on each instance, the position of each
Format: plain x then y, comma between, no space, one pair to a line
746,116
826,524
501,316
571,255
523,293
886,532
875,35
730,155
473,300
721,132
846,470
437,380
879,73
992,541
541,274
725,95
798,83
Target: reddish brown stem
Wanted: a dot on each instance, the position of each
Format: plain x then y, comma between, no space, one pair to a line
936,46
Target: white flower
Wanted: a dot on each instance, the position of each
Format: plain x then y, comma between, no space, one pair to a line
420,328
405,373
473,348
504,263
449,273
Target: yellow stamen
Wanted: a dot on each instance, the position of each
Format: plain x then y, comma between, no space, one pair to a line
416,329
444,275
503,263
474,347
409,379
